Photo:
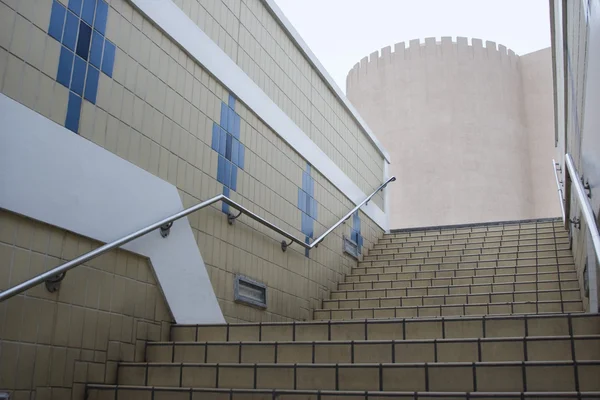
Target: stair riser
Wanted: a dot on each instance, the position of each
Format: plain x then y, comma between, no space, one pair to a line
466,272
451,266
424,280
430,300
558,230
375,255
383,377
452,290
443,350
509,240
451,310
392,260
474,248
516,326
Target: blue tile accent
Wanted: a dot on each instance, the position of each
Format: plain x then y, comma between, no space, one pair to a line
69,38
227,144
108,59
78,79
73,112
91,84
235,151
83,40
307,205
236,126
65,66
75,6
96,49
223,120
84,51
87,14
101,16
57,20
222,142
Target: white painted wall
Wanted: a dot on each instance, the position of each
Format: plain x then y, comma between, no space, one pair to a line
49,174
182,30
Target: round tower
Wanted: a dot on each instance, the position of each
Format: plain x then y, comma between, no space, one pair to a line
453,117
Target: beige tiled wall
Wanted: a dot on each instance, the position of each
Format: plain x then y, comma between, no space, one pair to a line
250,35
157,112
104,312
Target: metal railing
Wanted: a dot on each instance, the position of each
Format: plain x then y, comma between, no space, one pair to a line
560,189
590,222
55,275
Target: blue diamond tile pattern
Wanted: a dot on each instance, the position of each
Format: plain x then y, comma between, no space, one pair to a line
307,205
226,142
355,233
80,28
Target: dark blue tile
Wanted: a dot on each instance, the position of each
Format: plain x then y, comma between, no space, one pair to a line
308,167
101,16
216,133
231,102
87,13
230,119
69,38
83,40
73,112
223,118
57,20
353,236
91,84
241,156
221,170
234,174
78,78
225,206
306,251
236,126
222,141
311,186
308,204
315,215
65,66
75,6
96,49
235,151
227,172
304,223
311,227
228,145
108,59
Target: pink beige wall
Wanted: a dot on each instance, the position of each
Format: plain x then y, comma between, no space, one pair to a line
468,128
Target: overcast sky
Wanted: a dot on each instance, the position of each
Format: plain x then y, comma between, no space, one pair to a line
341,32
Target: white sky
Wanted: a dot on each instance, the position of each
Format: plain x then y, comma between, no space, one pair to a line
341,32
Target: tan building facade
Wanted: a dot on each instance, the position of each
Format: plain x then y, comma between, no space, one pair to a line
469,128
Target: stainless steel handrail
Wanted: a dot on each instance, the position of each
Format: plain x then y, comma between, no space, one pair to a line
590,221
560,190
165,224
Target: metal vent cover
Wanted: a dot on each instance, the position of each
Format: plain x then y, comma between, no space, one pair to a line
350,247
250,292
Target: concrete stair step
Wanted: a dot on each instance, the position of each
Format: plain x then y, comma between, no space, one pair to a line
463,265
492,247
395,329
547,348
499,308
467,260
465,255
534,238
524,286
454,299
508,376
418,272
473,230
112,392
455,278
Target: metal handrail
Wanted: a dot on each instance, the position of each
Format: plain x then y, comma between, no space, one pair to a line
560,190
164,225
590,221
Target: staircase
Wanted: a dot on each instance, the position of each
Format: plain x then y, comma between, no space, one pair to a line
487,311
